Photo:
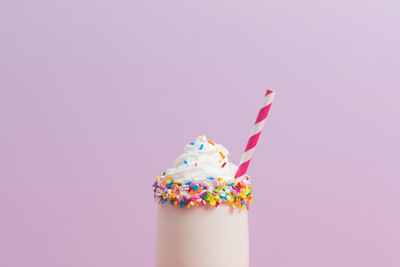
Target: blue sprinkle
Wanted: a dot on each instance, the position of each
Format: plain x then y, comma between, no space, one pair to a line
172,181
231,184
185,161
183,201
172,201
192,143
162,202
201,147
187,183
210,178
182,205
195,187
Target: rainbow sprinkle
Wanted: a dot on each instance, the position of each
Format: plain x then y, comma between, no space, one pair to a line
209,191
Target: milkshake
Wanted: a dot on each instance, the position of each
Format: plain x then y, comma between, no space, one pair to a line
202,213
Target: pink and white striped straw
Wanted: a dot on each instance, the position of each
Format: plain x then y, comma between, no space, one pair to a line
255,134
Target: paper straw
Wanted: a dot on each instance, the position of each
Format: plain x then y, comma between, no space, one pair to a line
255,134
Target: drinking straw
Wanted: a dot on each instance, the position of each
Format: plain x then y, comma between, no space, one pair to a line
255,134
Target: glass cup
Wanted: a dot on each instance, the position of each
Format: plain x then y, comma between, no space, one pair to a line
202,236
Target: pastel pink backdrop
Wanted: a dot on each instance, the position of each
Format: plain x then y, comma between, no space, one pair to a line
98,97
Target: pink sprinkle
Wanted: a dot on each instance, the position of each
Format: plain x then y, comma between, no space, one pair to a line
195,164
162,186
234,192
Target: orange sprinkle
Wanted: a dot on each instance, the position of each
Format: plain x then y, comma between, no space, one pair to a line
176,203
222,155
200,189
211,142
220,187
192,192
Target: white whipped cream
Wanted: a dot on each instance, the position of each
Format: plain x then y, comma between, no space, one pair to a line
200,160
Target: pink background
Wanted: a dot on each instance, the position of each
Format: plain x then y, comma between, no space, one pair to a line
98,97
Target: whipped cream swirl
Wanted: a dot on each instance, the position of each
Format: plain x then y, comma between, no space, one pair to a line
202,159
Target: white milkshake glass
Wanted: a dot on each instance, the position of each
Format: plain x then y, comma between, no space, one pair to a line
202,236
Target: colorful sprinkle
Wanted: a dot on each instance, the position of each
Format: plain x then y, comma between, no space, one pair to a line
213,191
211,142
201,147
222,155
223,165
192,143
185,161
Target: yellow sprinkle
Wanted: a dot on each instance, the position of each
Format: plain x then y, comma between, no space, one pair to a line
243,207
212,203
220,179
217,197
